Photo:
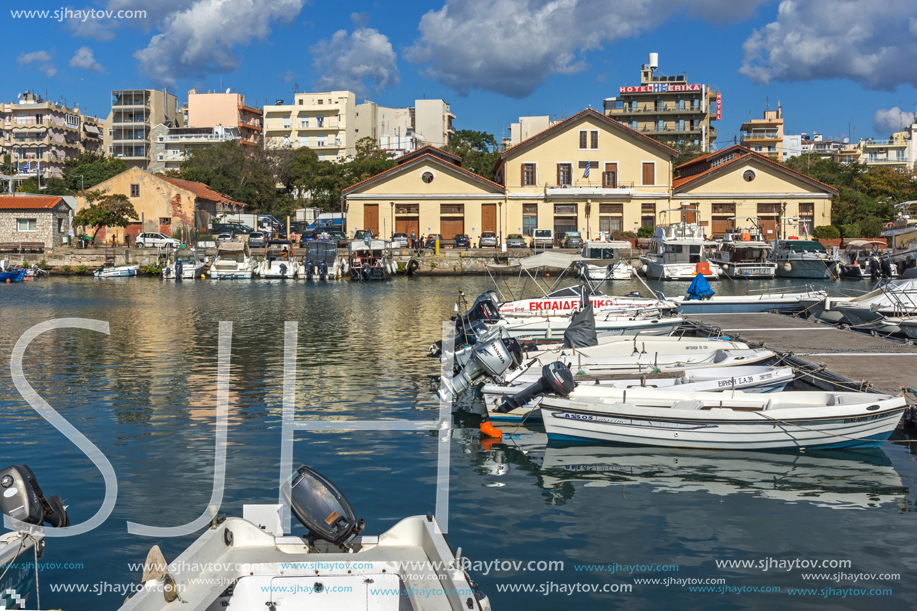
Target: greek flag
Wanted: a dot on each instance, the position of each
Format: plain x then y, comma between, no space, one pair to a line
586,173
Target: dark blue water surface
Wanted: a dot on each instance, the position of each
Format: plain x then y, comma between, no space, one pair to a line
145,395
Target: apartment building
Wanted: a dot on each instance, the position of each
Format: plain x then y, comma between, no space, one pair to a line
324,121
40,136
526,128
170,146
403,130
227,110
129,126
765,136
881,152
668,108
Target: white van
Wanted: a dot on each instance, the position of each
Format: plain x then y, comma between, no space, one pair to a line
542,238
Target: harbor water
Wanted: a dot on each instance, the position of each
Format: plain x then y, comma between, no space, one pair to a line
591,526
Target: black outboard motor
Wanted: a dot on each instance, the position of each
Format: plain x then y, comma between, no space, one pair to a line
310,269
555,378
873,267
283,269
166,272
322,269
321,507
21,498
886,268
178,269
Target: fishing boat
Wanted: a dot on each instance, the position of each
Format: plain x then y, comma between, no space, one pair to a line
233,261
119,271
251,563
727,420
804,259
184,264
8,274
700,299
864,259
277,262
746,379
603,259
743,255
678,252
371,259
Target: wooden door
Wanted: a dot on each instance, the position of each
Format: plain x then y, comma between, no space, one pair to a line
371,218
721,226
488,217
407,225
769,227
451,227
689,213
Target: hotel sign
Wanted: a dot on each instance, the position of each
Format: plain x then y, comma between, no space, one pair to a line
719,106
660,88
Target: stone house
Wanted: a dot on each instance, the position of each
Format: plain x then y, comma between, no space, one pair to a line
163,204
43,219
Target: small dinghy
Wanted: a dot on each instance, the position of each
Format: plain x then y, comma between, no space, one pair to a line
700,299
727,420
121,271
746,379
407,568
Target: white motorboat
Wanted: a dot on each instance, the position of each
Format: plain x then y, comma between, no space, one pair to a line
250,563
277,262
727,420
678,252
865,259
804,259
17,571
371,259
746,379
791,300
894,298
184,264
614,346
603,259
743,254
567,300
120,271
320,262
551,328
591,368
233,261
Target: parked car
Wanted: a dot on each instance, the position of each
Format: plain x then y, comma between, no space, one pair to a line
362,234
488,240
224,237
515,240
462,241
431,240
400,240
572,239
543,238
152,240
257,238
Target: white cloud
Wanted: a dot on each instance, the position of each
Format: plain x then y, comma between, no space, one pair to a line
84,58
890,120
356,62
202,38
512,46
863,40
97,29
40,60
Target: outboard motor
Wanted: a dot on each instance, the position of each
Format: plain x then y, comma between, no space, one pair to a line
322,269
4,265
321,508
283,269
886,268
21,498
873,267
310,269
178,269
492,356
555,378
166,272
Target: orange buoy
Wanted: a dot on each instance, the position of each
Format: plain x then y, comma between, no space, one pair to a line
548,275
487,443
488,429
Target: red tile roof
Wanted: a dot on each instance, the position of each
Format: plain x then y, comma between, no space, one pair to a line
713,154
28,202
679,182
426,157
200,190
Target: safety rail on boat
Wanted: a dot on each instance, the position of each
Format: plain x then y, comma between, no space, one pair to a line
782,290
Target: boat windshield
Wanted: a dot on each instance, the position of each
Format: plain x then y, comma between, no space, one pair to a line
185,258
574,291
599,252
683,253
804,246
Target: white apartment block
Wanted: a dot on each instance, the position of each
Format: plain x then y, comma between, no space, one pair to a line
323,121
403,130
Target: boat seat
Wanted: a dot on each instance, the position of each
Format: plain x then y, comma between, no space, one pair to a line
688,404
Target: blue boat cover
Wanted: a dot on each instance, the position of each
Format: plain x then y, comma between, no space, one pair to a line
699,289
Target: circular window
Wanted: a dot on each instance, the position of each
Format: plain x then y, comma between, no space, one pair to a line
748,175
427,177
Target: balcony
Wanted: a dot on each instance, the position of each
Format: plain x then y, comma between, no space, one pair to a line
761,135
885,161
671,130
190,138
884,143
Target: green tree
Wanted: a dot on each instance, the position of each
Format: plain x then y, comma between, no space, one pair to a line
646,231
479,151
89,169
242,175
105,210
686,153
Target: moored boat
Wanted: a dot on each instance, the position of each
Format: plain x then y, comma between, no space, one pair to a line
184,264
743,254
233,261
678,252
804,259
120,271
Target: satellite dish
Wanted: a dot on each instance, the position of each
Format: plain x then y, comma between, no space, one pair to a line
228,89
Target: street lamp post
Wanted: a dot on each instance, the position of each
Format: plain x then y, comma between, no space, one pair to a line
393,217
588,213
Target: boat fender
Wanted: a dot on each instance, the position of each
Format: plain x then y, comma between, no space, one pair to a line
488,429
827,304
787,266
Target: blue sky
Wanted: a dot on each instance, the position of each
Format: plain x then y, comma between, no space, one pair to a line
831,63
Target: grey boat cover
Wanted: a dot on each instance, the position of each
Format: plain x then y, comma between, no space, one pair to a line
581,331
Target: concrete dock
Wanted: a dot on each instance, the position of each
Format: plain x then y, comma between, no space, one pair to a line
826,356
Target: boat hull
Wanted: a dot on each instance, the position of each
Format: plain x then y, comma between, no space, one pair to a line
231,275
533,328
117,272
742,304
709,430
815,269
687,272
757,271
